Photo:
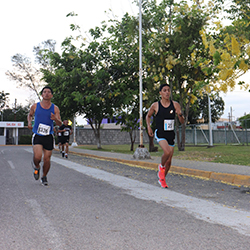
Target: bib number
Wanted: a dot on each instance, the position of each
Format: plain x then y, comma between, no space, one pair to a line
168,125
43,129
66,133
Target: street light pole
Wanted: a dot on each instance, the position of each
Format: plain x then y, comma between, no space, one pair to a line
140,75
141,152
74,144
210,122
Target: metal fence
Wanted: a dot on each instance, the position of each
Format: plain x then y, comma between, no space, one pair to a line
229,135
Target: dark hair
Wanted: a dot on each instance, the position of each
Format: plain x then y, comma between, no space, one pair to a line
163,85
47,87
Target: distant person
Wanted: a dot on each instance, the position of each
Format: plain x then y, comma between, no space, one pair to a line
66,131
59,137
45,112
165,111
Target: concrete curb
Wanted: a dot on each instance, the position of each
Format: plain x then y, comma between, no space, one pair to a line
232,179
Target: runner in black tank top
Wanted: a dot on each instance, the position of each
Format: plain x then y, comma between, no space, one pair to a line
165,111
165,123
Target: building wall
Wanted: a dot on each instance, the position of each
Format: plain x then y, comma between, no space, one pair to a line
108,136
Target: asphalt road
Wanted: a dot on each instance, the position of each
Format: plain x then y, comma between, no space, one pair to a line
96,204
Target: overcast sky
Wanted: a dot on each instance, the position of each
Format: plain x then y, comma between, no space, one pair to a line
27,23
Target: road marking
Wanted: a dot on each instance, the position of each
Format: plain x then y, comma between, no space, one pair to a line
55,242
11,164
201,209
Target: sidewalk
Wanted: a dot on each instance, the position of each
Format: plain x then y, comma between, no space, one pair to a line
231,174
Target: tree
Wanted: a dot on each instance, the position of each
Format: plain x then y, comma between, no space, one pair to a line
228,47
25,73
19,113
129,121
178,50
245,121
174,43
41,51
123,39
4,99
200,108
238,12
84,81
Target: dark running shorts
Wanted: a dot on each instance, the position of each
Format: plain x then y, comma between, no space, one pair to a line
46,141
169,138
64,140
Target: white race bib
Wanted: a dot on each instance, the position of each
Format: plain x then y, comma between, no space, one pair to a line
66,133
43,129
168,125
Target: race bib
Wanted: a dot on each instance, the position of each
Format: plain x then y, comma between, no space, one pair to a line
43,129
168,125
66,133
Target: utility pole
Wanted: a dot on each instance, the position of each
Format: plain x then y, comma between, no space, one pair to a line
210,122
140,75
15,109
74,144
141,152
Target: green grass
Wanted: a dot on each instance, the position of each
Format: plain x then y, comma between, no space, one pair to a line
231,154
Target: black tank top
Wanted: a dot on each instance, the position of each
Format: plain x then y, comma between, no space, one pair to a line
165,120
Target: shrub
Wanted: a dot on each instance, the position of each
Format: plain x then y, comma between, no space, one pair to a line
25,139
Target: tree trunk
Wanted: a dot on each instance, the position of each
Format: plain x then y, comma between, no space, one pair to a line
96,130
183,137
178,136
98,139
132,139
152,147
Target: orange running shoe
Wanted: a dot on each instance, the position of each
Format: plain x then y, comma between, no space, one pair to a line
163,183
161,172
36,171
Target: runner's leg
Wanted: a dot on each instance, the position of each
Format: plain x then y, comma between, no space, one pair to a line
46,161
37,154
167,155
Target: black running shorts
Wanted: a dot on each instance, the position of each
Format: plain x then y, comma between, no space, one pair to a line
64,140
46,141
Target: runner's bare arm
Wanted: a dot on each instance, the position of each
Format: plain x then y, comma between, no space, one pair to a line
152,110
30,115
56,117
178,112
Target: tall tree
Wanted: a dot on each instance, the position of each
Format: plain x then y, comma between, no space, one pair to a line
84,81
177,50
26,73
4,99
41,50
174,43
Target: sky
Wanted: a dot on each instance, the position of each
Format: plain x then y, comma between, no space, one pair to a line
27,23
